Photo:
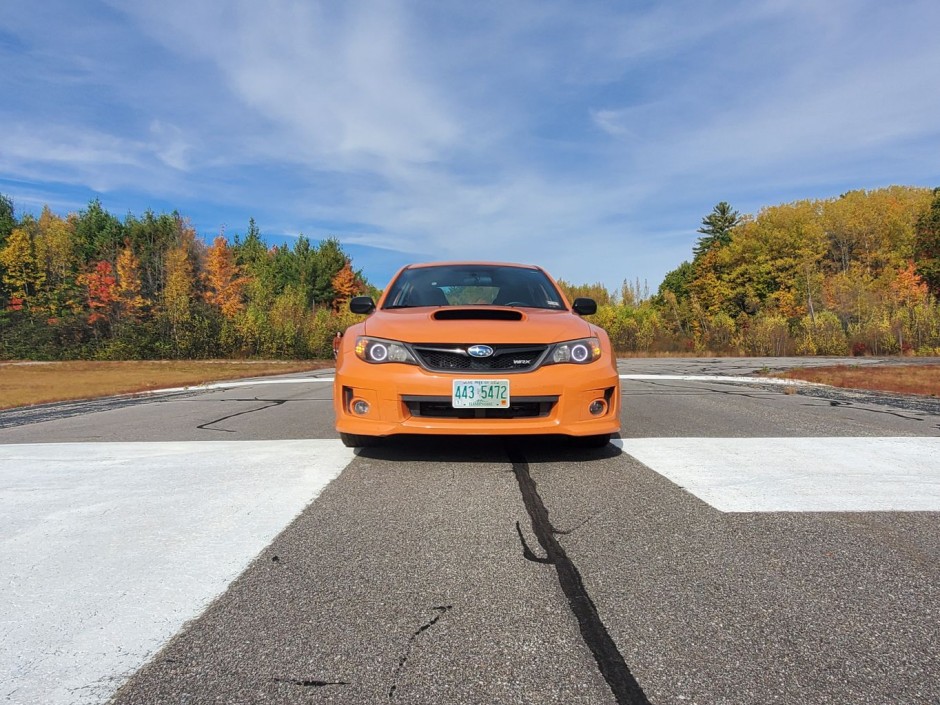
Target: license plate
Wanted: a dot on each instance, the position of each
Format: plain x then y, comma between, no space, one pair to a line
481,393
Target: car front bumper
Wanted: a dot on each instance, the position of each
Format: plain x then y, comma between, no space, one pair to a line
401,398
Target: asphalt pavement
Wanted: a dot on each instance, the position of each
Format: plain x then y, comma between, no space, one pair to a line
743,542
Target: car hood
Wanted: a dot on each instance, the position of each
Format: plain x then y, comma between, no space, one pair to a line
419,325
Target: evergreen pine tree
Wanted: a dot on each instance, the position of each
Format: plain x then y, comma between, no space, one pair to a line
716,228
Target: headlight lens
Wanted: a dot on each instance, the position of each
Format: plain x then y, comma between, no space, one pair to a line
377,351
578,352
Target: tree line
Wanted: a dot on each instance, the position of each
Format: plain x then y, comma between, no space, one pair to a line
92,286
858,274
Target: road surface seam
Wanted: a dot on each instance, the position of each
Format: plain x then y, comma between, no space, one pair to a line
609,660
441,611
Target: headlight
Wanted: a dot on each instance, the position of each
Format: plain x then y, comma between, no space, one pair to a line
578,352
377,351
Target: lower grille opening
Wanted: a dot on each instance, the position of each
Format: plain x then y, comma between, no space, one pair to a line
441,408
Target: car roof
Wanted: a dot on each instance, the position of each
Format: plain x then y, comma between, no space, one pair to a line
470,263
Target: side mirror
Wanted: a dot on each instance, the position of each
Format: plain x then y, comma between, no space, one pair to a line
584,306
361,304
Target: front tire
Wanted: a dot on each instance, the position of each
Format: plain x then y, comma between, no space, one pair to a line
354,440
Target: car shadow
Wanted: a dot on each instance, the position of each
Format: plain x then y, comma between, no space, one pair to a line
489,449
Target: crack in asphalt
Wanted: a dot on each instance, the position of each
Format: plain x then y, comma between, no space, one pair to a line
442,610
527,552
609,660
53,411
850,405
307,683
273,403
300,682
859,400
673,389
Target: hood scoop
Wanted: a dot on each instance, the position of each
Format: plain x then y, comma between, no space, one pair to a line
477,314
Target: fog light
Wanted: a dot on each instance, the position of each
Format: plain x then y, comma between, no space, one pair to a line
360,407
597,407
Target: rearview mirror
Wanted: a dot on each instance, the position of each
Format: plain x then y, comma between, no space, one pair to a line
361,304
584,306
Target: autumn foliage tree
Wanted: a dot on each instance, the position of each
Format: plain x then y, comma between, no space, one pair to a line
101,286
129,292
927,245
56,255
225,286
177,294
345,284
21,272
811,277
88,284
858,273
596,291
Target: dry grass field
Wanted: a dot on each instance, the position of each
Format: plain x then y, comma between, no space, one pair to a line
23,383
903,379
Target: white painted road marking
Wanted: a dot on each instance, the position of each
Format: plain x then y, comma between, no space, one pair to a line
674,378
240,383
799,474
726,378
309,380
107,549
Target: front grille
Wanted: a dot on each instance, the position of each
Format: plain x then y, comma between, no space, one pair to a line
441,408
505,358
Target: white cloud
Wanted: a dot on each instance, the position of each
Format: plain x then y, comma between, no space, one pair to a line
533,130
61,145
838,95
100,160
170,145
338,88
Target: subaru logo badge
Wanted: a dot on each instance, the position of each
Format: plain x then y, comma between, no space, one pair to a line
480,350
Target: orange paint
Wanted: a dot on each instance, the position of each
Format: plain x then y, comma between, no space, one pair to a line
556,364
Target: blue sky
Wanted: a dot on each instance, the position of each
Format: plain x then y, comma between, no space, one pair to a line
588,137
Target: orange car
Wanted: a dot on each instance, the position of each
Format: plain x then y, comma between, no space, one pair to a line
475,348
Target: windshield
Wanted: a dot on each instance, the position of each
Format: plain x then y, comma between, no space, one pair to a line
463,285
